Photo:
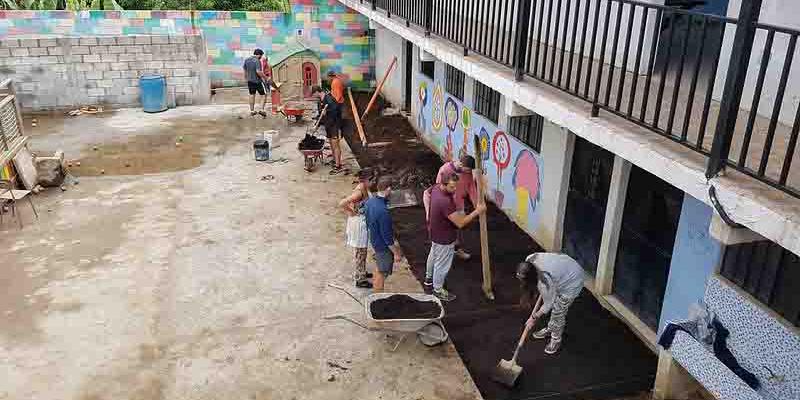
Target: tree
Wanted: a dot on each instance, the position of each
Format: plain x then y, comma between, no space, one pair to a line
72,5
222,5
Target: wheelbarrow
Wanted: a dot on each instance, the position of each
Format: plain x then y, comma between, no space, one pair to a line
293,111
430,331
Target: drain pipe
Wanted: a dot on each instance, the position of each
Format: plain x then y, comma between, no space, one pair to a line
712,195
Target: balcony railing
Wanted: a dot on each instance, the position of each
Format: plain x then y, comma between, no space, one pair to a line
678,73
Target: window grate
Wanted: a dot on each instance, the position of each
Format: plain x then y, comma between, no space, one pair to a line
769,273
454,82
487,102
427,68
528,129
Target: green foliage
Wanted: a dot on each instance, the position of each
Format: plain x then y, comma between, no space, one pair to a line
72,5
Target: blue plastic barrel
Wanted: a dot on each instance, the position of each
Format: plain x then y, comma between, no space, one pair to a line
153,92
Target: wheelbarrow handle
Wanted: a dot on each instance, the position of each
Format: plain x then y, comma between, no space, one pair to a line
335,286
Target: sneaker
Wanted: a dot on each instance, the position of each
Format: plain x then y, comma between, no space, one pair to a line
252,113
444,295
541,333
460,253
553,346
336,170
364,285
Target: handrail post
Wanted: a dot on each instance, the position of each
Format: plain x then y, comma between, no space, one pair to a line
734,81
374,5
428,16
521,40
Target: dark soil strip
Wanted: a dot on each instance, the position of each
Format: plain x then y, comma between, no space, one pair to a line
600,357
403,307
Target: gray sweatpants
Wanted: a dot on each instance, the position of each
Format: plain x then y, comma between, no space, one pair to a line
440,259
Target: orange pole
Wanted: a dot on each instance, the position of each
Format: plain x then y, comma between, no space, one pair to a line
358,120
380,86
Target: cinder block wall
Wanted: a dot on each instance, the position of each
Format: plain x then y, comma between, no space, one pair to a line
62,73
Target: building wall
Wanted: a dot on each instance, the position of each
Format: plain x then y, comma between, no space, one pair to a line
695,257
71,72
391,45
335,32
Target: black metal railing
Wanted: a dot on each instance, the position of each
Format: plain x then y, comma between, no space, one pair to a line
664,68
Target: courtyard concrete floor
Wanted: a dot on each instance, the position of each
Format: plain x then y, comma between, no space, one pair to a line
184,271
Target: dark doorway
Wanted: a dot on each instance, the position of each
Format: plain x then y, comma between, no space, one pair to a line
644,253
589,182
409,57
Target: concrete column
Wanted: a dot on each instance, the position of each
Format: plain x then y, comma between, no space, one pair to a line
728,235
558,145
672,381
612,226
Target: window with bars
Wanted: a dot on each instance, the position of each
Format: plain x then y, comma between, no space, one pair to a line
454,82
487,102
528,129
769,273
427,68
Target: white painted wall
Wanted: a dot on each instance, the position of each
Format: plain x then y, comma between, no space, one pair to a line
388,45
774,12
557,148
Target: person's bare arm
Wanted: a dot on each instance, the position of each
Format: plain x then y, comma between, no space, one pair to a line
460,220
345,203
261,74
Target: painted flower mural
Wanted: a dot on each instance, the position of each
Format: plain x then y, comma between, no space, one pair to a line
423,101
451,120
501,154
466,123
438,103
526,181
485,142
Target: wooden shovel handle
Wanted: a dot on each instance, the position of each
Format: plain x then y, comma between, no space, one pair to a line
525,332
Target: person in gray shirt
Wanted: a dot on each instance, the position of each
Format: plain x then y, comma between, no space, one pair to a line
255,80
559,280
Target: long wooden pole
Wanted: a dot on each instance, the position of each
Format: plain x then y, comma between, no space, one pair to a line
380,86
485,262
358,120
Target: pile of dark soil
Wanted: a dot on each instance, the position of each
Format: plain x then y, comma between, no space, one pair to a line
310,142
600,357
403,307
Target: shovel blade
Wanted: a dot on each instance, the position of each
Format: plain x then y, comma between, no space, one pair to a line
507,373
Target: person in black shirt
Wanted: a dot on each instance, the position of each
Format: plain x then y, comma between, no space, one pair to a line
332,121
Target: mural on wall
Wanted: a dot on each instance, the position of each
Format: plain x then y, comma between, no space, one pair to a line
513,171
451,120
423,101
466,123
332,30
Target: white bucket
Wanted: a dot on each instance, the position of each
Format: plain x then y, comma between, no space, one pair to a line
269,136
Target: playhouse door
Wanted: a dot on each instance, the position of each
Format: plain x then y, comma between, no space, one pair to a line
309,78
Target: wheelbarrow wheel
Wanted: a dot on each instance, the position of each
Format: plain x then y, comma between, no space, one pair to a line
309,167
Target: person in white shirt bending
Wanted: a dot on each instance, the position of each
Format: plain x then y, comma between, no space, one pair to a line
559,280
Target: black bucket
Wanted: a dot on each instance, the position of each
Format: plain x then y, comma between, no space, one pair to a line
261,148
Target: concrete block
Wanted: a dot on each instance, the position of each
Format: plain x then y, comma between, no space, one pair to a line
125,40
48,60
27,86
181,72
97,92
84,67
73,59
131,90
37,51
187,48
79,50
93,75
177,39
90,85
29,43
60,67
144,57
137,65
107,41
112,74
69,41
129,74
55,51
143,40
126,57
160,39
111,58
102,67
5,52
88,41
183,89
20,52
25,60
98,49
48,42
50,170
91,58
10,43
154,64
115,90
119,66
134,49
116,49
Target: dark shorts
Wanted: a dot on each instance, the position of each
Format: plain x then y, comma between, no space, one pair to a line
254,87
333,129
385,262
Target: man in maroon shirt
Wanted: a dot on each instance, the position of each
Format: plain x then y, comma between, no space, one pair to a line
444,221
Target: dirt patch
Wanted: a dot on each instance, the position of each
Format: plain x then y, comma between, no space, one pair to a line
403,307
600,357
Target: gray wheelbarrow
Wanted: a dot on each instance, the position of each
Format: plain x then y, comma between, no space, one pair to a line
430,331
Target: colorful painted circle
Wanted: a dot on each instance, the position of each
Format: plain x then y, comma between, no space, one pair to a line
451,114
484,138
423,94
466,118
501,150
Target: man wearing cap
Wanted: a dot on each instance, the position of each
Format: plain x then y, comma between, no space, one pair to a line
254,73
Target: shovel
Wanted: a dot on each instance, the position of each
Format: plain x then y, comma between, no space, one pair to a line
507,371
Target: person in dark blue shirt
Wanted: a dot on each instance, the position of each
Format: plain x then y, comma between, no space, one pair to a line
381,233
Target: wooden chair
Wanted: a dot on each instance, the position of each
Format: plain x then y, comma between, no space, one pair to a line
8,192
